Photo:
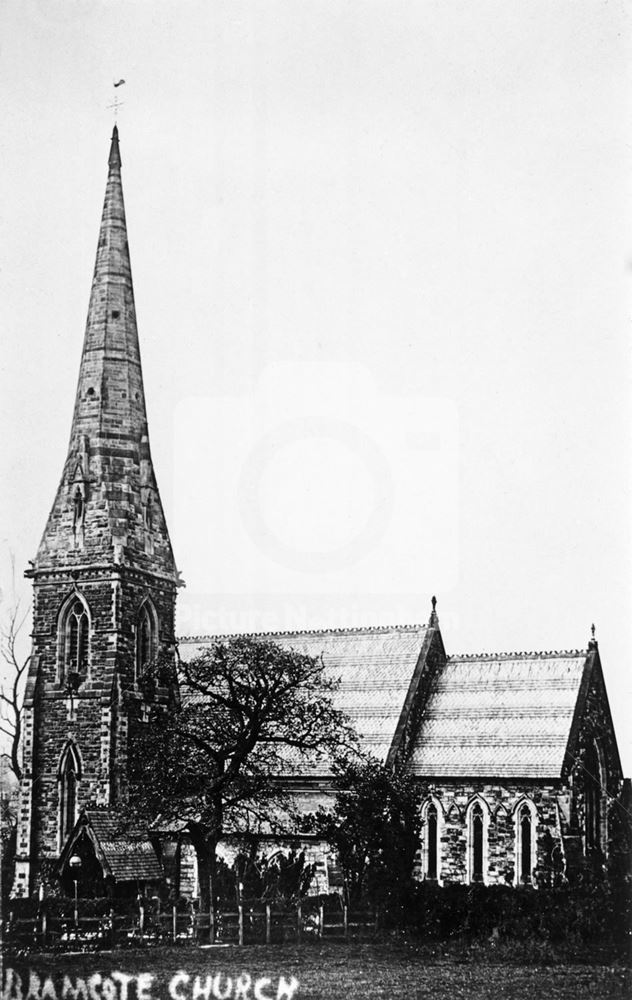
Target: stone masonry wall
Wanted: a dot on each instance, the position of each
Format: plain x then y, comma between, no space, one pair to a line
499,801
97,723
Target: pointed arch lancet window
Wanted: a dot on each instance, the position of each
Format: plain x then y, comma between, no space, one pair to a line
477,843
69,774
433,841
525,821
146,638
74,635
431,857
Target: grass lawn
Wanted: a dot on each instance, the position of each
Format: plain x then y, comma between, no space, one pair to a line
311,972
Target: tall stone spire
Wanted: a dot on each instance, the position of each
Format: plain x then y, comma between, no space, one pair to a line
107,503
104,577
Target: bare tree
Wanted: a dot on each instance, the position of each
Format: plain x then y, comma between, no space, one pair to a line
12,685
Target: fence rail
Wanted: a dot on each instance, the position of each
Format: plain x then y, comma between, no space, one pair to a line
244,925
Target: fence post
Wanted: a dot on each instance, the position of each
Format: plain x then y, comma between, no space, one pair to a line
112,928
268,923
174,923
299,922
345,921
321,920
240,910
141,920
211,924
44,928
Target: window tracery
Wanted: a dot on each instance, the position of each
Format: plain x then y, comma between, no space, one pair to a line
74,636
525,819
477,823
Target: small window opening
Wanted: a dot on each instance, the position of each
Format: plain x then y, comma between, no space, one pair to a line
68,797
78,508
115,314
526,835
148,514
478,832
145,640
90,392
432,825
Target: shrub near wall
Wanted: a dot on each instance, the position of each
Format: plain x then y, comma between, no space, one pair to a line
591,918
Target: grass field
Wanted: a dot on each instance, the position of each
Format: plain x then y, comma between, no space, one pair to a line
352,972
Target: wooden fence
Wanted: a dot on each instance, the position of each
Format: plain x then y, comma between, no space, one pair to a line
246,924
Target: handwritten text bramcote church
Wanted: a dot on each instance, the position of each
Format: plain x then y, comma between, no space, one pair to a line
145,986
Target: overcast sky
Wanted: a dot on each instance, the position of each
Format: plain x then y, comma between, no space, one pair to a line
382,258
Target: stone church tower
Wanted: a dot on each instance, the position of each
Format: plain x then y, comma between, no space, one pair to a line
104,577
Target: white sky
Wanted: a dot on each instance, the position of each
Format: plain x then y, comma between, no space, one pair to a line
381,255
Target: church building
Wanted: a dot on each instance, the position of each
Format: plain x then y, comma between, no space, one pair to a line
515,752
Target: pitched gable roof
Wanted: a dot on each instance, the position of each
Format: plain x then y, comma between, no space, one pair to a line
124,856
507,715
374,667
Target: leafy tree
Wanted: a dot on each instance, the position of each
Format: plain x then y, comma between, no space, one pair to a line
375,825
249,713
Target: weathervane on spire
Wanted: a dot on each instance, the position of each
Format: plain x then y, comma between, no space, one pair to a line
117,104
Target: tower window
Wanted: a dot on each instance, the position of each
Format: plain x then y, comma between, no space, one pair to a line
69,774
74,634
115,314
146,638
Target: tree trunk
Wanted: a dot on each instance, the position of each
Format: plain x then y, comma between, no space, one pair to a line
205,846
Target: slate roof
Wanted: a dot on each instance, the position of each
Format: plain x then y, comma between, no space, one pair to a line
374,666
497,715
506,715
127,857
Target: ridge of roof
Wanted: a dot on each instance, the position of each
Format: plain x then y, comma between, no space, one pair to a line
522,654
353,630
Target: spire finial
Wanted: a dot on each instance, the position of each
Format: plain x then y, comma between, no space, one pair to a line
434,620
114,159
593,642
117,104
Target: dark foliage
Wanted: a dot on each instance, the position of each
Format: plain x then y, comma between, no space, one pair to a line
375,828
586,918
280,879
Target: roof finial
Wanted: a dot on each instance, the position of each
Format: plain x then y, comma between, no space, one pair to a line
434,620
593,642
